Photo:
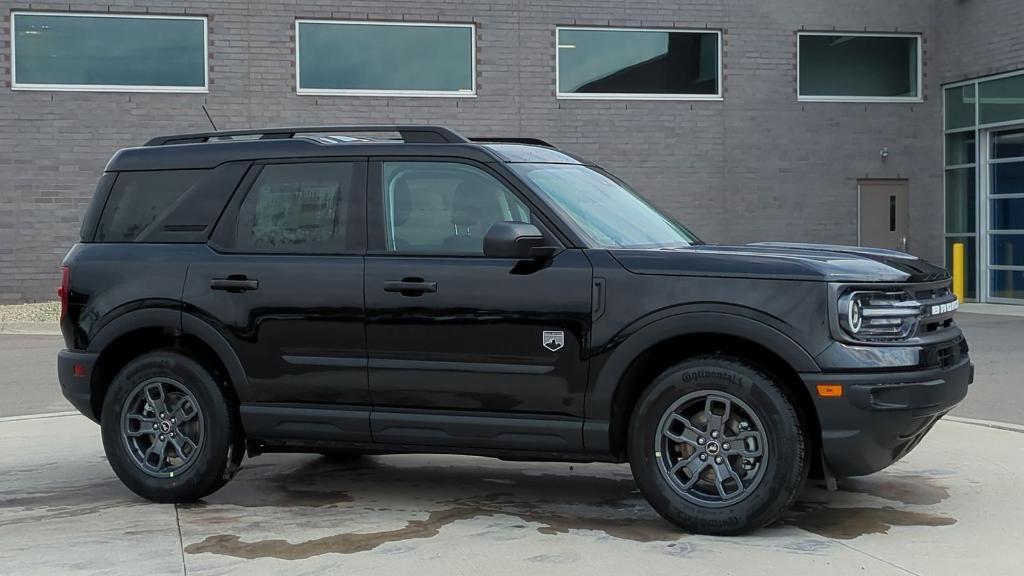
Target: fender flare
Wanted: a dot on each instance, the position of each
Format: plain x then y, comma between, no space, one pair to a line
600,398
180,323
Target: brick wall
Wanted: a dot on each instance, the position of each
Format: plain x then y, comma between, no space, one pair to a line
757,166
980,37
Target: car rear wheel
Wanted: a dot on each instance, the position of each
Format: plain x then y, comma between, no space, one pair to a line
717,447
168,431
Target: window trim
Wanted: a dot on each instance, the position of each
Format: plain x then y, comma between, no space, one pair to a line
21,86
716,97
865,99
377,92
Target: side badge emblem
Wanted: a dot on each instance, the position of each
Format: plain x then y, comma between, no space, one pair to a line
553,340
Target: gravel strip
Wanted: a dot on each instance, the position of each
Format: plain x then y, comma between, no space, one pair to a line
42,312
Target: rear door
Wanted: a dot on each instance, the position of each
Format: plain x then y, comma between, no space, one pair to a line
884,214
283,281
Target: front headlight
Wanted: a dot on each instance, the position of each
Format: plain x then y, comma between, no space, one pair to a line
878,315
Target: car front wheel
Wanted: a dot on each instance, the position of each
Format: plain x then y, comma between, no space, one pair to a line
717,447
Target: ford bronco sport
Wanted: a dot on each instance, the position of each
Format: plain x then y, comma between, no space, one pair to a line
389,289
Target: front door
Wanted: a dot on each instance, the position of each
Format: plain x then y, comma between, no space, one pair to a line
883,213
466,350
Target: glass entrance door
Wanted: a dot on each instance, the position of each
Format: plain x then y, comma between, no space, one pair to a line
1005,215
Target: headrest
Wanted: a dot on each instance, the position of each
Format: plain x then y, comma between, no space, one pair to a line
475,202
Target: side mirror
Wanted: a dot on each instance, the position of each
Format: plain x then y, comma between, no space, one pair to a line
516,240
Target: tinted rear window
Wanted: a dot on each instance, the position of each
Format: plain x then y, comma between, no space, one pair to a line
138,199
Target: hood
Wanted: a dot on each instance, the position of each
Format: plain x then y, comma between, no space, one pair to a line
783,261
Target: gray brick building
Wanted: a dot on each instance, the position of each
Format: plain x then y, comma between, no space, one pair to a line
751,161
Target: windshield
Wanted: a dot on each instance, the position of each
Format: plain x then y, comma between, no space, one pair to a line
602,209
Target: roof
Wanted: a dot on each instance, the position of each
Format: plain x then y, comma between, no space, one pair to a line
209,149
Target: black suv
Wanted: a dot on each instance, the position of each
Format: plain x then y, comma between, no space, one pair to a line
387,289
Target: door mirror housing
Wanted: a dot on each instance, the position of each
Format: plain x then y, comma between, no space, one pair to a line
516,240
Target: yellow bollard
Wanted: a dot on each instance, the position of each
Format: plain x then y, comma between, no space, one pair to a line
958,270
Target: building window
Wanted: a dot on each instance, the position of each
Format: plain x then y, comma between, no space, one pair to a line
108,53
385,58
984,185
858,67
617,63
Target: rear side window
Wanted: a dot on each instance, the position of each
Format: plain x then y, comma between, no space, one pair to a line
138,199
300,208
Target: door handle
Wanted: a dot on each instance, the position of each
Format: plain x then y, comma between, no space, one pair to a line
410,286
904,242
234,284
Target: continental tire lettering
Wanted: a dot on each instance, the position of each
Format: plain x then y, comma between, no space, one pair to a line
704,374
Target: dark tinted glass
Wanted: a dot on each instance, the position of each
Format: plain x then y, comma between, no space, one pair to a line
139,199
1008,144
960,201
1007,249
1007,214
385,57
858,66
637,62
1008,178
1007,284
82,50
1002,100
298,208
960,102
960,148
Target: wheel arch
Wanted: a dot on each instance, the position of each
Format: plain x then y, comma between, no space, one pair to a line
673,339
141,331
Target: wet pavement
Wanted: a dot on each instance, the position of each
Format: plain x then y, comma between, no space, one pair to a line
953,506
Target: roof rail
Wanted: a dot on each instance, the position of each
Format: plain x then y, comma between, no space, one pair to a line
513,140
411,134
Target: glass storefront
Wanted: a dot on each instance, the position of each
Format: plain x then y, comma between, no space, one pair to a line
984,165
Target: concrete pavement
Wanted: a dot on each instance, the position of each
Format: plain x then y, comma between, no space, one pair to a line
951,507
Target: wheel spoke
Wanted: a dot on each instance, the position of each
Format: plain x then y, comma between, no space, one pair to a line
741,444
693,467
158,448
184,411
717,421
138,425
156,398
689,434
724,471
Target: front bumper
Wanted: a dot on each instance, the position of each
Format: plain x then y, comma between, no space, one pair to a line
882,416
74,372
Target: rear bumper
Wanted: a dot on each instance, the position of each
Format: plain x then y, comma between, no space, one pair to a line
74,372
882,416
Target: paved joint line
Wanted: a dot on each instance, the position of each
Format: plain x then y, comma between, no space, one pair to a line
870,555
1006,426
37,416
181,542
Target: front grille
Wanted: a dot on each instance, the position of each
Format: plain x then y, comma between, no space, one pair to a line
928,296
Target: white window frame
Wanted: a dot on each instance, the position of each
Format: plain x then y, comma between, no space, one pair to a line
717,96
205,88
907,99
370,92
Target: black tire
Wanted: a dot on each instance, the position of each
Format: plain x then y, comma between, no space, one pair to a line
213,424
763,492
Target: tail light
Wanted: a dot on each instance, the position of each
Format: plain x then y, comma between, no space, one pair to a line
65,288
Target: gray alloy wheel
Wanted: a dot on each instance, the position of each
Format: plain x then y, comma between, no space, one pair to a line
162,427
711,448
